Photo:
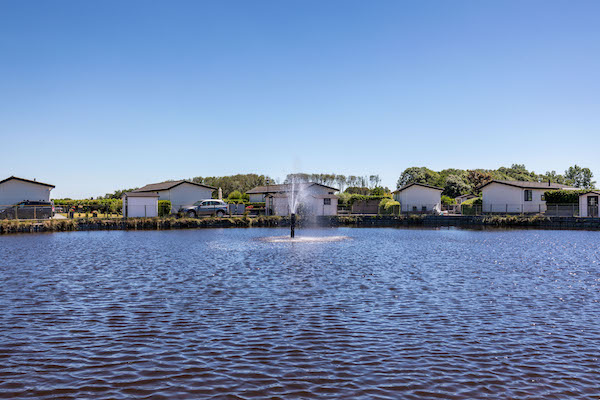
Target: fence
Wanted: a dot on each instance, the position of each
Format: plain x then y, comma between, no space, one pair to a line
24,211
551,210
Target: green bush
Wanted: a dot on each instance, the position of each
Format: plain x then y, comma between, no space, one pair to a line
164,208
446,200
563,196
476,200
235,195
388,206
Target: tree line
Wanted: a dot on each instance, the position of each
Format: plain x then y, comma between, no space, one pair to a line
456,182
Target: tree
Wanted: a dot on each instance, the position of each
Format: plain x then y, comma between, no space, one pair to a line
377,191
455,186
417,175
375,180
552,176
579,177
476,178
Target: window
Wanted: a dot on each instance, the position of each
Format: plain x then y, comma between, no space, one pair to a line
327,202
528,195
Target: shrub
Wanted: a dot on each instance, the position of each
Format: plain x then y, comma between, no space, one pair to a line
446,200
387,206
470,202
236,194
164,208
563,196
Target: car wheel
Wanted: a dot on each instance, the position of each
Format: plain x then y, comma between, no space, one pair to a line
191,214
220,213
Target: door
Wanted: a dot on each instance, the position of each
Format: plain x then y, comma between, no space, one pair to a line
592,203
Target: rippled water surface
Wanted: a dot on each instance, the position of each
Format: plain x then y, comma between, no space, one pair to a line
379,313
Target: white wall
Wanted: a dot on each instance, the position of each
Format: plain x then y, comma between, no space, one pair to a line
504,198
184,195
142,207
15,191
419,196
583,204
311,204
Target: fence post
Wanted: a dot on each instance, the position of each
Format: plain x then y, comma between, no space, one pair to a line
16,212
145,211
34,212
506,212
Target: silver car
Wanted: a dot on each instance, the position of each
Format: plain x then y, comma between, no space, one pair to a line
207,207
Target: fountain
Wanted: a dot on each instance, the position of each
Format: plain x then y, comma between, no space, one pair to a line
295,196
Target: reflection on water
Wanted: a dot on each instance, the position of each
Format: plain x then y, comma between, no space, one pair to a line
387,313
303,239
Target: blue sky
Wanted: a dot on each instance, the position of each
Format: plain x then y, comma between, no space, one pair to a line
99,96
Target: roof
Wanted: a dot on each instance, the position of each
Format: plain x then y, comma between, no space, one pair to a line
140,194
286,187
157,187
590,192
465,196
26,180
418,184
529,185
319,196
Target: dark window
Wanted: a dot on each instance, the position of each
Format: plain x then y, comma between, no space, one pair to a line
528,195
327,202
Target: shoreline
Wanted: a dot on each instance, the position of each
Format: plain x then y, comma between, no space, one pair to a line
516,221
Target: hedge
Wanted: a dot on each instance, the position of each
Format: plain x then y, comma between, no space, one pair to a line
164,208
563,196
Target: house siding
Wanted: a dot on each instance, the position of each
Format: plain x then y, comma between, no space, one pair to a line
500,198
15,191
419,197
184,195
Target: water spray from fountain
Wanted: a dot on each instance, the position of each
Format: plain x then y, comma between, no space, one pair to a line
295,195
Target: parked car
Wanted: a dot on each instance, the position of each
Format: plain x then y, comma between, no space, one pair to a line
29,210
207,207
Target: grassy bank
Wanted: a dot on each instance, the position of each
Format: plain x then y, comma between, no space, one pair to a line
271,221
66,225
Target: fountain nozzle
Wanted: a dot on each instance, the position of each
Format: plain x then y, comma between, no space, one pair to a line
292,225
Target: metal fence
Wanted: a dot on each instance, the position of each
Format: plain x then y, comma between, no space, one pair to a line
23,211
551,210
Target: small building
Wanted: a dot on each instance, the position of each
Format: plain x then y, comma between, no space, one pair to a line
462,198
137,205
180,193
14,190
313,198
517,196
419,198
588,204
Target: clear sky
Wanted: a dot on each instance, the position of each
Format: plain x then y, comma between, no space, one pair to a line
99,96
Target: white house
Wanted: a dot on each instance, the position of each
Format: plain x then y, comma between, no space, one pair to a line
180,193
314,198
516,196
588,204
419,197
140,204
14,190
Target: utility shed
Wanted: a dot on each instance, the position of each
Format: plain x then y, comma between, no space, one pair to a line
140,205
419,198
588,204
14,190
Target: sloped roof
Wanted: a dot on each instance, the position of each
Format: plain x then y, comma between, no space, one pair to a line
140,194
530,185
286,187
26,180
157,187
590,192
418,184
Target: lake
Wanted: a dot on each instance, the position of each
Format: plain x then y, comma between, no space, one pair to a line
233,313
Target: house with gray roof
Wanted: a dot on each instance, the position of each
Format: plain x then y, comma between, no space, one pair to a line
14,190
180,193
314,198
516,197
